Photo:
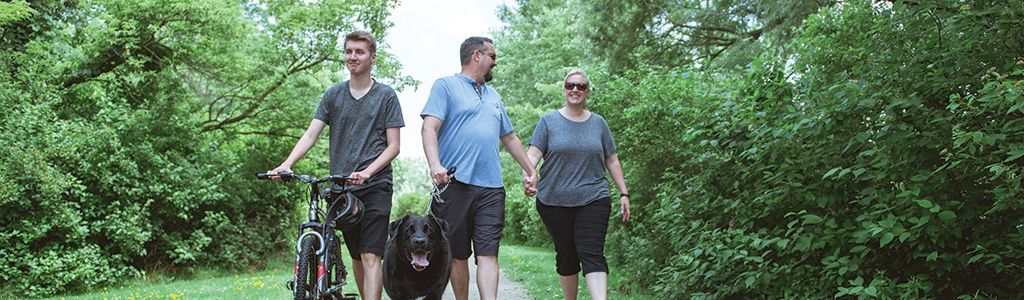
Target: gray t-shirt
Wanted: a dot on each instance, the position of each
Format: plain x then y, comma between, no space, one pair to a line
358,128
573,172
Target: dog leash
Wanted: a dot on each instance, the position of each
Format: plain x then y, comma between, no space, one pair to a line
435,192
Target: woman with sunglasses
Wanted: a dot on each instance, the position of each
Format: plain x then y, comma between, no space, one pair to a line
573,195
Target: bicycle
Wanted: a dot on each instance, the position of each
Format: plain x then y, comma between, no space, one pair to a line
320,272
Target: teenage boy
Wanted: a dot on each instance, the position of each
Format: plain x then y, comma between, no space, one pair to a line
365,118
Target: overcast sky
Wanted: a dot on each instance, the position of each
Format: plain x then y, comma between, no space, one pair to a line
426,38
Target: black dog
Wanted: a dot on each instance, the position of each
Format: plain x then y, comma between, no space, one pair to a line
417,260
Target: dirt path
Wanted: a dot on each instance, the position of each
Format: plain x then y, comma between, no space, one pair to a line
507,289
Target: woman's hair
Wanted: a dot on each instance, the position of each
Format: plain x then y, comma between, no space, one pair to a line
585,79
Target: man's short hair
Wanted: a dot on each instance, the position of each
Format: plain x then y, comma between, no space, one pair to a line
360,35
472,44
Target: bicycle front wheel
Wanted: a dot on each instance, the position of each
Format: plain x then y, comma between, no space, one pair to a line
306,268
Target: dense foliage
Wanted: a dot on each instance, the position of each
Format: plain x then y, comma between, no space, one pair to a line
132,130
873,150
774,149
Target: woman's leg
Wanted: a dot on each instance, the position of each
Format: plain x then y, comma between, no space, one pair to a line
597,283
590,227
570,285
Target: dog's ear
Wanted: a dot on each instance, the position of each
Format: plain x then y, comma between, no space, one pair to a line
395,225
441,223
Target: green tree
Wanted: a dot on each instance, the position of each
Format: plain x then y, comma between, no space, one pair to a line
680,33
859,150
133,130
878,163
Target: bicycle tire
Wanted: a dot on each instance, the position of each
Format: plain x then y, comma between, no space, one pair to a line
306,269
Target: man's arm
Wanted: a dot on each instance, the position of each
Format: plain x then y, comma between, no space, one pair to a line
515,147
431,125
305,143
385,158
534,154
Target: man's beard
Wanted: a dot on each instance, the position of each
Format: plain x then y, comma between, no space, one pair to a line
489,76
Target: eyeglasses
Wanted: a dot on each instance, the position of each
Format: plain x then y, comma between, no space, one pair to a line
580,86
494,56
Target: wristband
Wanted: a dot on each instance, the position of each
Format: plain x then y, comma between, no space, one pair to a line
623,195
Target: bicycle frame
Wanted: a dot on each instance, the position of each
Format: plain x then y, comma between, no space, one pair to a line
323,233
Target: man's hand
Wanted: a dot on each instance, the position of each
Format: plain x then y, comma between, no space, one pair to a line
439,174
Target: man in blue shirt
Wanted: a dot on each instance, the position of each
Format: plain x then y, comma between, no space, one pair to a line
463,121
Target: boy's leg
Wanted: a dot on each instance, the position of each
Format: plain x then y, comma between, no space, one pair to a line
369,238
357,272
372,276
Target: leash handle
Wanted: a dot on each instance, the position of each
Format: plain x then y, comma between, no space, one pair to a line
435,192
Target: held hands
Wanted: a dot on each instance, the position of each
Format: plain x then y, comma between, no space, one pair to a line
529,184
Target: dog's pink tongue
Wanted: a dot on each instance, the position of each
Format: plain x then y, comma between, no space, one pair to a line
420,259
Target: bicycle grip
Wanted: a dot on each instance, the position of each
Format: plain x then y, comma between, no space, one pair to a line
284,175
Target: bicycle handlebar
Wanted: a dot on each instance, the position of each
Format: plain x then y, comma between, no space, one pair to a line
285,176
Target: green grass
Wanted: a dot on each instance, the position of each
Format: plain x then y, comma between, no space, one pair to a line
209,284
532,266
535,268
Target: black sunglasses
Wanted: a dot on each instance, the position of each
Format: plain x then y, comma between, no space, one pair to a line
580,86
494,56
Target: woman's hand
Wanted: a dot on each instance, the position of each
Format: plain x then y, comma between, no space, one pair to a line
624,203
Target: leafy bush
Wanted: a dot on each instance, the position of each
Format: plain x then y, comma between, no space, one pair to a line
124,150
409,205
879,163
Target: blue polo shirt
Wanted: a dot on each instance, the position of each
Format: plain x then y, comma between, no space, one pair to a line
472,123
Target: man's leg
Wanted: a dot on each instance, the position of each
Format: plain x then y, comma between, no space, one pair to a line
487,276
488,222
372,282
460,279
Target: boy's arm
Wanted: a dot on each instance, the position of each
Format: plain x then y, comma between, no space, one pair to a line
305,143
394,145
